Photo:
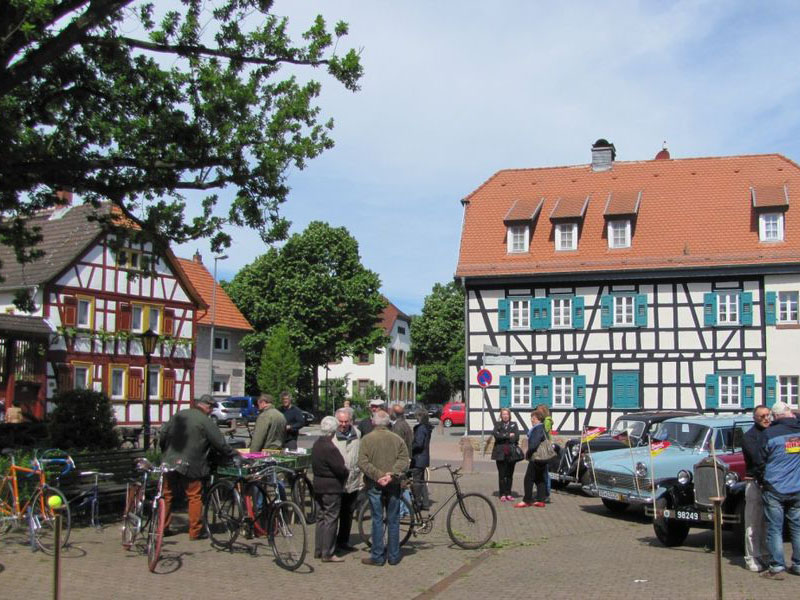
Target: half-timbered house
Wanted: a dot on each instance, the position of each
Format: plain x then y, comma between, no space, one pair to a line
97,302
612,287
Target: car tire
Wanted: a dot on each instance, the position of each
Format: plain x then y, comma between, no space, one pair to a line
670,533
615,506
448,423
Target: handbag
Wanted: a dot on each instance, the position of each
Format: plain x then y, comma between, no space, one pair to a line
544,451
516,454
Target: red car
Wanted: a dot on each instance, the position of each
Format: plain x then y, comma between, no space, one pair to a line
454,413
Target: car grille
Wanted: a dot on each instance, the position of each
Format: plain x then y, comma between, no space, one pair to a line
612,479
704,485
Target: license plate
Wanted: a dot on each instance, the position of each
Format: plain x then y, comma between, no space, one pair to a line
687,515
609,495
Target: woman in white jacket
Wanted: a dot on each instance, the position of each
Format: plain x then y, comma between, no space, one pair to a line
347,439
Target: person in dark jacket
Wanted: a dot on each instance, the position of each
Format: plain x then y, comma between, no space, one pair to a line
294,421
778,465
756,553
505,454
421,457
365,426
185,442
330,475
400,426
536,469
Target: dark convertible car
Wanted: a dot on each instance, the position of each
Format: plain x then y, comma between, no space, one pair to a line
628,430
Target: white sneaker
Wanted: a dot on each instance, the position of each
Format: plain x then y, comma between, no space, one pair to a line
754,565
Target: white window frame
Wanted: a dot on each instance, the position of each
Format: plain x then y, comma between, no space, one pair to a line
519,313
562,313
619,233
84,382
566,232
154,375
789,390
134,327
87,322
518,238
221,385
562,391
157,311
122,372
770,227
730,391
787,307
624,311
225,342
728,308
521,390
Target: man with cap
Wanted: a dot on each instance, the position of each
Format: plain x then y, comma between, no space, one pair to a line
778,468
185,443
365,425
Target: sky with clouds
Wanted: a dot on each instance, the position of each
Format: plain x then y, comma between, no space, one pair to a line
455,90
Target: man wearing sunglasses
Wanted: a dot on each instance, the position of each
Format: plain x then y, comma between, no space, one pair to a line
756,554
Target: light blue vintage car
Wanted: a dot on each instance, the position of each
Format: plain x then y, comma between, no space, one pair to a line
623,477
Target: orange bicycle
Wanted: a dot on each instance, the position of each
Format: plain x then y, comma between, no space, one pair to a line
36,510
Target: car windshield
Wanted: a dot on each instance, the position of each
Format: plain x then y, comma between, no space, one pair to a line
230,404
633,429
687,435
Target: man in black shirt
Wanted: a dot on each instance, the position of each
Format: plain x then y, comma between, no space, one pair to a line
756,554
294,421
365,425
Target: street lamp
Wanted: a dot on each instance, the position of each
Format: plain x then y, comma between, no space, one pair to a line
213,317
149,340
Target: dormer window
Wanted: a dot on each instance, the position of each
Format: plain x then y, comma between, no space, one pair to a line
566,216
518,236
770,227
619,233
566,236
770,203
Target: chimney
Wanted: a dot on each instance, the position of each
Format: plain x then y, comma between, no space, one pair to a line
663,154
198,258
64,196
603,154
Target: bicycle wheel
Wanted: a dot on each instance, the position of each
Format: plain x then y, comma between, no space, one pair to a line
471,521
223,514
132,517
303,496
42,519
407,522
287,534
256,506
7,518
155,534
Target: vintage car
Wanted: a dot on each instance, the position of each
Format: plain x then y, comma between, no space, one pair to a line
621,478
628,430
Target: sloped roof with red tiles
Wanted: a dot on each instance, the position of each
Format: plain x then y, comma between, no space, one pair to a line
390,314
226,313
692,213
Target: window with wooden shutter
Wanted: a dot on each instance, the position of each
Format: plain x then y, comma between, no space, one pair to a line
63,377
168,385
135,384
70,311
168,322
123,316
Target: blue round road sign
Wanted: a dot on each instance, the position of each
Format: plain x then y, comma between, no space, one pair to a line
484,378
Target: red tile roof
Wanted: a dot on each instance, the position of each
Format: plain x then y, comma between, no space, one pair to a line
226,314
623,203
524,210
695,212
390,314
769,195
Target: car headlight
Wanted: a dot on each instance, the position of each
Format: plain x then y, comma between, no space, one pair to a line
684,477
641,469
587,461
575,450
731,477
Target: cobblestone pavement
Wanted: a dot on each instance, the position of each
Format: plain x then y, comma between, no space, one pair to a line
573,548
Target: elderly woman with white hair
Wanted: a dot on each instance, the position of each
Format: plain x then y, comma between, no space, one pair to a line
330,475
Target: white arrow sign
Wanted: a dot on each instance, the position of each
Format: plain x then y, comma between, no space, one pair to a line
491,350
499,360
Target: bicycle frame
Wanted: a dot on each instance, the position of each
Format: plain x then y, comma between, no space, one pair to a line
16,511
418,517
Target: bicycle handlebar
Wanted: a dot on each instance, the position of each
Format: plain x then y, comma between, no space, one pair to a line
53,456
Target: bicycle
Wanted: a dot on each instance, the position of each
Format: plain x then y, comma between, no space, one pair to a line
36,510
471,519
89,501
250,505
133,517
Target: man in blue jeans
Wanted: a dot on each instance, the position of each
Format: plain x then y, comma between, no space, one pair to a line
778,467
381,457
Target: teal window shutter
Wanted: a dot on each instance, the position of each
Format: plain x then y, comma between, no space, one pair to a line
746,308
577,312
770,390
749,388
641,310
770,309
505,391
542,391
625,390
606,307
547,313
502,314
579,391
540,313
710,309
712,389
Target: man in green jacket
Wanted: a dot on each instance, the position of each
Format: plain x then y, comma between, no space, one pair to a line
270,428
381,457
185,442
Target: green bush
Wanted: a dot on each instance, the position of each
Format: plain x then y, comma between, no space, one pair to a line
83,419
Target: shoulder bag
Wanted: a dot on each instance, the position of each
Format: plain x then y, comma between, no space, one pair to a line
544,451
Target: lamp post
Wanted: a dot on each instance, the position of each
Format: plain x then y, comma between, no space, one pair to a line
213,317
149,340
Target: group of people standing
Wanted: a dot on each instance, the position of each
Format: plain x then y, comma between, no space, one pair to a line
372,456
507,452
772,458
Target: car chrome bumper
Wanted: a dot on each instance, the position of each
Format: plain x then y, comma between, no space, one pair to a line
690,514
626,497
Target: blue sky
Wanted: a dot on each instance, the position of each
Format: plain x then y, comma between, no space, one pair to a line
455,90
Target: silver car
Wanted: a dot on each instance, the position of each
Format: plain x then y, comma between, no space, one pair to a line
225,411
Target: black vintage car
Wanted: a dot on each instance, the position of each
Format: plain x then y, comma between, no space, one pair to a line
632,430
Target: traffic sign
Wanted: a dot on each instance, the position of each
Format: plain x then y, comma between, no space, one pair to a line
499,360
484,378
487,349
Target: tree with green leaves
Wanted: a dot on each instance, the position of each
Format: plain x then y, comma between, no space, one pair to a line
316,286
437,344
280,363
138,104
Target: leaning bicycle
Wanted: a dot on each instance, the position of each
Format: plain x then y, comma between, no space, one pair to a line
471,518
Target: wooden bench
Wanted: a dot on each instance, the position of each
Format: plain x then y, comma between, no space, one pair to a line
120,464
